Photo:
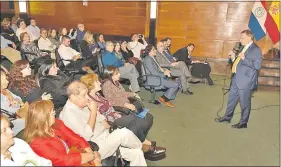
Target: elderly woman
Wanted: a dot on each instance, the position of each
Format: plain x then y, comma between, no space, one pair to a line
28,46
23,85
51,139
139,126
16,152
12,104
53,81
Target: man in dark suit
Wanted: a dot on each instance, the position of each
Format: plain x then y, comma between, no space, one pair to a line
244,79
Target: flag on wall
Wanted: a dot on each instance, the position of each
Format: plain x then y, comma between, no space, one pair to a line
272,22
257,20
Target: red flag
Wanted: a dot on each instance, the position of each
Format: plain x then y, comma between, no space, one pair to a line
272,28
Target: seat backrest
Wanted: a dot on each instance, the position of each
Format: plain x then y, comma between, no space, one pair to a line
59,60
100,64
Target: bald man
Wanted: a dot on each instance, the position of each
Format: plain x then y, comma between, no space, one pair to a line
80,115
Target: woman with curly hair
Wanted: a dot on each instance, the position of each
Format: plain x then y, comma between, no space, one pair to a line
23,85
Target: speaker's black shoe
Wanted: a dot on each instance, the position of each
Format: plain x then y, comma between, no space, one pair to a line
222,120
210,81
187,92
239,126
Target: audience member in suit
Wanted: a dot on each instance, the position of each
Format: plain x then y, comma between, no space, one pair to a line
6,30
128,55
202,70
127,70
23,85
53,37
53,81
178,69
153,68
244,79
167,44
80,33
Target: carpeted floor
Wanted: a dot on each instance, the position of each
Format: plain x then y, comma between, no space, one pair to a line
192,137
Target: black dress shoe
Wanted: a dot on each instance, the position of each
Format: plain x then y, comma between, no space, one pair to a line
222,119
239,126
187,92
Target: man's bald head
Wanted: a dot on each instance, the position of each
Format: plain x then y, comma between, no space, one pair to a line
77,93
75,88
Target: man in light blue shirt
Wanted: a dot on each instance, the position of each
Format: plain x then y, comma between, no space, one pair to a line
5,43
34,30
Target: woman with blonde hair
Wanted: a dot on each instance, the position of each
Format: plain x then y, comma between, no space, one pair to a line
51,139
139,126
88,46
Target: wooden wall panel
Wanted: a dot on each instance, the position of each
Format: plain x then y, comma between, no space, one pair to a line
114,18
5,7
213,27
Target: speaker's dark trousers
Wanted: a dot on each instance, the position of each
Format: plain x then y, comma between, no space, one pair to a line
235,94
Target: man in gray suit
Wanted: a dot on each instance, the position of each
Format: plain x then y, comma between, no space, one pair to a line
245,74
153,68
178,69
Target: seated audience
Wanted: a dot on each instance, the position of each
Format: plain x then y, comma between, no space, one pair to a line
14,23
127,70
139,126
11,53
86,46
80,33
53,81
113,91
135,46
100,41
45,44
178,69
153,68
81,115
12,104
202,69
6,30
23,85
16,152
67,53
128,55
34,30
53,37
28,46
51,139
71,35
22,29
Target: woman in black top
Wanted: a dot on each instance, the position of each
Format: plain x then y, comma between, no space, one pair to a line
128,56
53,81
23,85
6,30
